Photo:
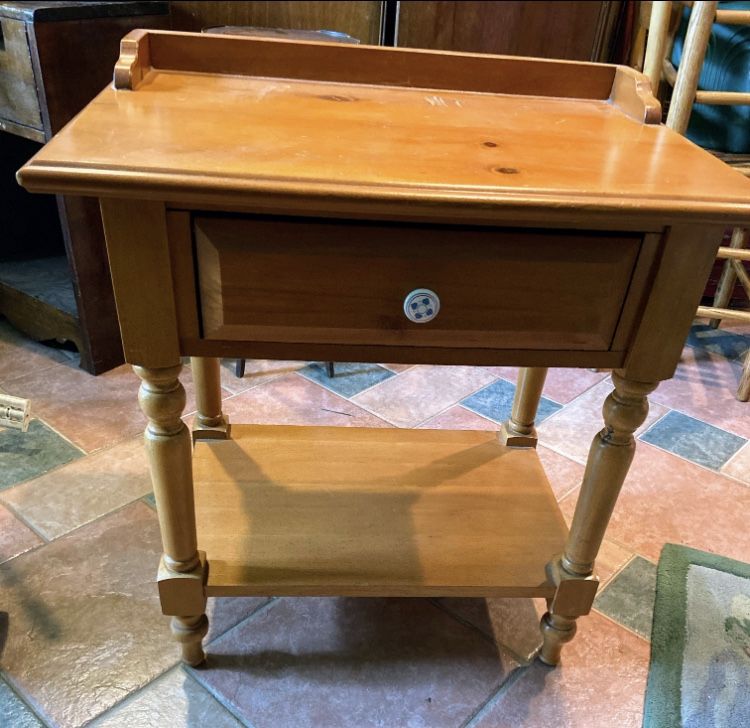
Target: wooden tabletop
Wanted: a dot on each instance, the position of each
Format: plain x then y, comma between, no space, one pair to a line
188,132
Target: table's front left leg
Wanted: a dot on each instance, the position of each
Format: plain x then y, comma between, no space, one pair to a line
182,571
609,460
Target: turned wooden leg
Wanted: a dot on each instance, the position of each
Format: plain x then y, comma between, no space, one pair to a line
209,421
519,430
182,571
609,460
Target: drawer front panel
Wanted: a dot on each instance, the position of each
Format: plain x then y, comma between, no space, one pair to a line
346,283
18,96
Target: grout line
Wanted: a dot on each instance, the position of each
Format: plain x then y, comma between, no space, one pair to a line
260,609
599,613
223,703
470,625
612,578
328,388
11,508
6,678
133,693
481,711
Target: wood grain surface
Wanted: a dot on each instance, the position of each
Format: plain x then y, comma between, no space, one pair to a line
272,139
357,511
301,281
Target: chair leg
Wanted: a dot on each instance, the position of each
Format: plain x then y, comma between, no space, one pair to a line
728,278
743,390
330,371
239,368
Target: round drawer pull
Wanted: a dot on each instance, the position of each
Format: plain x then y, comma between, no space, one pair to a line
421,305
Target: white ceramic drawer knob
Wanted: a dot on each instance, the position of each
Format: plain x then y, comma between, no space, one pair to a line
421,305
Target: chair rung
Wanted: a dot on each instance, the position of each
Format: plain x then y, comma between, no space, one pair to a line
736,253
733,17
722,98
722,313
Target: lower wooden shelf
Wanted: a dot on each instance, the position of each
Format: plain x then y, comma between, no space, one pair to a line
351,511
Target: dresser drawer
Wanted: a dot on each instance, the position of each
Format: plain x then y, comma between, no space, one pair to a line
18,95
305,281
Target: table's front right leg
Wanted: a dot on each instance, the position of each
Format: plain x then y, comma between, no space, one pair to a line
609,460
182,571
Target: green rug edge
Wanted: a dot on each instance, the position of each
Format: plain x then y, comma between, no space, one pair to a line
663,699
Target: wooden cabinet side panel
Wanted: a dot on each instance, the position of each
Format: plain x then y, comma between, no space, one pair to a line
686,258
138,249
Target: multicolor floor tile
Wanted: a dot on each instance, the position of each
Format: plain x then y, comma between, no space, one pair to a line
82,491
718,341
495,402
15,536
26,455
705,387
176,700
629,597
693,440
571,430
667,499
88,600
349,378
422,392
14,712
367,662
600,682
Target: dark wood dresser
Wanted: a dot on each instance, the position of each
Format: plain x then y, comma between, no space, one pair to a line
54,277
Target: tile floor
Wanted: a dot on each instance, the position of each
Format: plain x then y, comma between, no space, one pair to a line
82,640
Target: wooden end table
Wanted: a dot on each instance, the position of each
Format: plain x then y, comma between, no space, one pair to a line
294,200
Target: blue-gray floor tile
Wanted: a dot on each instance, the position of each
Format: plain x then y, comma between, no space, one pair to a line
27,455
349,378
717,341
495,402
693,440
150,500
13,711
629,597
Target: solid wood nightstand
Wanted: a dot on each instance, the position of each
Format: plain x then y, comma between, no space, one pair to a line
285,199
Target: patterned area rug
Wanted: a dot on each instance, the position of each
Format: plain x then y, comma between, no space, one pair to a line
699,676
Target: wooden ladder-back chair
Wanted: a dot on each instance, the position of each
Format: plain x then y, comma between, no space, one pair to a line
684,81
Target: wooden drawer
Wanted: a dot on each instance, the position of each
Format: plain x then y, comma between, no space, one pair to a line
19,103
306,281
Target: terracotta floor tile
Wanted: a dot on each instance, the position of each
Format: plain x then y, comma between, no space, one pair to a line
458,418
349,378
513,623
739,465
705,386
563,473
82,491
366,662
422,392
85,627
610,560
294,400
15,536
19,354
173,700
600,683
666,499
571,430
257,371
226,612
562,384
92,412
